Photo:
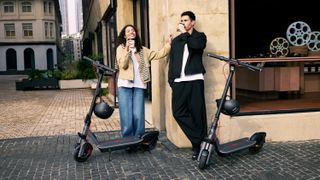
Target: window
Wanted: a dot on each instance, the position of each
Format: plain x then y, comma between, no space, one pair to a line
46,29
50,7
26,7
8,7
287,83
47,7
9,30
27,29
51,30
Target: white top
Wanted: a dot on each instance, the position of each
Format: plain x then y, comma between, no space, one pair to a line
184,77
137,83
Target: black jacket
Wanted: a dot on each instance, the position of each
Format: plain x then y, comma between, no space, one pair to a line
196,44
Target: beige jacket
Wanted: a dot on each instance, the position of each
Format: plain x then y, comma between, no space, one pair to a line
125,66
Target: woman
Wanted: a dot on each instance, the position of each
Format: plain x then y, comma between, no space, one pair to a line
133,63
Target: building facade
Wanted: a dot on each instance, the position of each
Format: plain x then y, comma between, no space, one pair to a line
282,100
71,47
29,35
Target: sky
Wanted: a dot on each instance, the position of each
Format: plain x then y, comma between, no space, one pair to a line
72,16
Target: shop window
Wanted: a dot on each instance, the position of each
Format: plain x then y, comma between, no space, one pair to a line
284,38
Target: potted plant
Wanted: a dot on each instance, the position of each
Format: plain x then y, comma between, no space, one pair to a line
38,79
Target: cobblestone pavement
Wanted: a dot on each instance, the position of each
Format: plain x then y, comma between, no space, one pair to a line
51,157
46,112
38,133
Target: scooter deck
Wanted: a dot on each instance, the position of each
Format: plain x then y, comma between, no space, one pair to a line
234,146
120,143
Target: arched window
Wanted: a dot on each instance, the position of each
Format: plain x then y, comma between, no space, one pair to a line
11,59
29,62
50,59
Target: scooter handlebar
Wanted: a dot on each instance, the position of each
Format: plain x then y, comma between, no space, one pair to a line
99,65
236,62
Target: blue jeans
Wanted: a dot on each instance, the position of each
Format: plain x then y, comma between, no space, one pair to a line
131,108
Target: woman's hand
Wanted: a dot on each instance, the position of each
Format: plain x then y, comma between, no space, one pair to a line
170,37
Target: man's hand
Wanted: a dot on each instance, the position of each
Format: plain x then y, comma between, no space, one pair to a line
181,28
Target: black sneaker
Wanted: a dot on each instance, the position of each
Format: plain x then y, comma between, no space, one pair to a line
195,155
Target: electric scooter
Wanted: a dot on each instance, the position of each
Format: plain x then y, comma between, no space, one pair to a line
83,149
228,107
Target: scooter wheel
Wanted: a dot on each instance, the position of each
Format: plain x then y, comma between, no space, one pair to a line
86,153
203,159
260,140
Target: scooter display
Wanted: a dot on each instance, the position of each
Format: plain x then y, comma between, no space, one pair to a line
83,149
228,107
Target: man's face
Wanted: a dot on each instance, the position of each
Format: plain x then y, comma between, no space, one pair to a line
188,23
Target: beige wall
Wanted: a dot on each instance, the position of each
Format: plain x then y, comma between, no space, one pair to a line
211,18
124,14
37,17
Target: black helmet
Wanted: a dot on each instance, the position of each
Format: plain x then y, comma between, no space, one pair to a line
103,110
230,107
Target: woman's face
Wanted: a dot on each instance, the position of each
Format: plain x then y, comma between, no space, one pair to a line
130,33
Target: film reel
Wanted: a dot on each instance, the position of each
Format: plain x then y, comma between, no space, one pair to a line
298,33
314,42
279,47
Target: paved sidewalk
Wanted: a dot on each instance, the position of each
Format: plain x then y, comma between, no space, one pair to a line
38,133
47,112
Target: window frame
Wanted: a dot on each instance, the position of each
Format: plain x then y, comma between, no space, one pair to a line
26,7
6,6
9,33
51,30
26,30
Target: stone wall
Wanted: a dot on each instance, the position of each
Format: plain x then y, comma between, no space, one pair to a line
212,19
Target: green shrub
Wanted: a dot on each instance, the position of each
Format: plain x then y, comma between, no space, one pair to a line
68,74
35,74
85,70
57,74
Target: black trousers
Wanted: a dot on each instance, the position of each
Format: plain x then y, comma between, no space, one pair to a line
189,110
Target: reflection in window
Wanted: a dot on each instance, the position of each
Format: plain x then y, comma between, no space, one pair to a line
9,30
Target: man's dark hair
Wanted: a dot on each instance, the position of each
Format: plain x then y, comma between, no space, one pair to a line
190,14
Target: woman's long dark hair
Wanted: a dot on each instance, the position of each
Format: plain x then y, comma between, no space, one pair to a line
122,40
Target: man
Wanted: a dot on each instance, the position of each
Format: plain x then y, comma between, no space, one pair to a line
186,79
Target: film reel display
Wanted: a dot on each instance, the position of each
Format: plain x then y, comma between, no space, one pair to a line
314,42
298,33
279,47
